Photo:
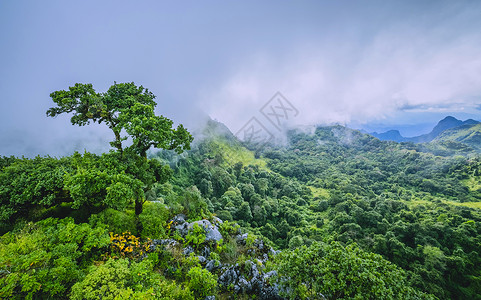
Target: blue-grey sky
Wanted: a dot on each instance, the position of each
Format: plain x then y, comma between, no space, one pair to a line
361,63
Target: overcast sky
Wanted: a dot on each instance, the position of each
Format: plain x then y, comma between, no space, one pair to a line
367,64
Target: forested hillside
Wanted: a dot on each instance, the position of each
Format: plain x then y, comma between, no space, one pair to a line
332,214
418,210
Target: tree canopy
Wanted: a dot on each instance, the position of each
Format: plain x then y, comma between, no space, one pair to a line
126,109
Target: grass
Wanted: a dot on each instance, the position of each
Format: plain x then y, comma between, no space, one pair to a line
236,153
319,192
473,183
417,202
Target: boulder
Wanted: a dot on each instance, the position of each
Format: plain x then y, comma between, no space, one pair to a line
212,232
229,276
164,242
205,252
217,221
213,265
202,259
179,224
241,238
188,250
244,285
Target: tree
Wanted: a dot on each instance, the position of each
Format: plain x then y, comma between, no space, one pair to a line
123,108
27,184
43,260
337,272
244,212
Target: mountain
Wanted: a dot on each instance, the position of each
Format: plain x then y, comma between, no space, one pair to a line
468,134
445,124
390,135
235,223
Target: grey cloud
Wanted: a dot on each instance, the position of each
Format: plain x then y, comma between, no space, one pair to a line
336,62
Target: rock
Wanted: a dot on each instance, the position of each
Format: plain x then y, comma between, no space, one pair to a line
205,252
180,219
268,275
179,224
210,298
259,285
241,238
217,220
169,242
274,252
165,242
230,276
212,265
188,250
244,285
270,292
253,271
202,259
211,231
256,284
259,244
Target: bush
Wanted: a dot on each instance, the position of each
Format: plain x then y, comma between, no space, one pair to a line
201,282
153,219
117,221
123,279
339,272
42,260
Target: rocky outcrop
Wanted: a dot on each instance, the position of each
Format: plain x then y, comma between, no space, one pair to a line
248,278
212,232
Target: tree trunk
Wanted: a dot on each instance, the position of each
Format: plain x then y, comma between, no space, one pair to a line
118,142
138,211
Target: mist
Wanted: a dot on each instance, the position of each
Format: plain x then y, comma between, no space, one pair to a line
367,65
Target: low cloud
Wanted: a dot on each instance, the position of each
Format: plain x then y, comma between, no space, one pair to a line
399,69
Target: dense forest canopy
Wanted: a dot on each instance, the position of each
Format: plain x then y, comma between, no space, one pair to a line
332,214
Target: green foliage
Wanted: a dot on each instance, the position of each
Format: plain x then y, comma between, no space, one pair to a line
124,107
116,221
123,279
106,281
196,236
339,184
227,228
154,220
45,259
201,282
193,203
339,272
334,187
29,183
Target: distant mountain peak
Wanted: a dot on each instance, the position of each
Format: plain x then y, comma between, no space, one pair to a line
445,124
390,135
449,118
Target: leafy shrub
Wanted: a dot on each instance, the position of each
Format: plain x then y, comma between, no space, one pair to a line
128,245
196,236
201,282
153,219
41,260
117,221
339,272
121,279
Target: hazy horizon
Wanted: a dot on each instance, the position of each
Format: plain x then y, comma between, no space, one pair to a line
370,65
